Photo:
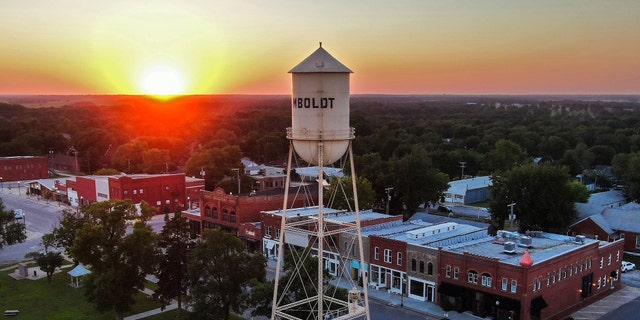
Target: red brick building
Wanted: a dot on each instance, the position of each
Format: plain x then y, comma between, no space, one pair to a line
166,192
621,222
542,276
163,191
22,168
221,210
388,266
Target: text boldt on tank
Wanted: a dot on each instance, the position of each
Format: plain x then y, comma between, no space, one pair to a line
320,108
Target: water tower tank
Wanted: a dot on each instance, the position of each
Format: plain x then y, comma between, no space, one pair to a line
320,108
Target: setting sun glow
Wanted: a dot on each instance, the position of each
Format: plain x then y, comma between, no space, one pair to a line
162,81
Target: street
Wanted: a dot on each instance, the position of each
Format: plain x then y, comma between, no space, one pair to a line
41,216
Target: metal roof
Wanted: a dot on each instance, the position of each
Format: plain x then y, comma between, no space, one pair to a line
462,186
320,61
544,246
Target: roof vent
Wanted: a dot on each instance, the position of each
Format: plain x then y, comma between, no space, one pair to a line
525,241
509,247
580,239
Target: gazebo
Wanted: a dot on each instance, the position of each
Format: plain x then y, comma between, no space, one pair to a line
76,273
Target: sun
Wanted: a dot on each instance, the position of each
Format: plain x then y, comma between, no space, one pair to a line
162,81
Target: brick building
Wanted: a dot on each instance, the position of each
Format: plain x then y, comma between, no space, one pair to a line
539,276
22,168
221,210
166,192
622,222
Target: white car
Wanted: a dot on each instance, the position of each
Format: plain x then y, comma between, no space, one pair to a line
627,266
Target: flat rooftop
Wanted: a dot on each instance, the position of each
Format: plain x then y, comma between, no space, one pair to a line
544,246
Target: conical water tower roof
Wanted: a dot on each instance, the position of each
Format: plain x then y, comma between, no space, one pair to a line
320,61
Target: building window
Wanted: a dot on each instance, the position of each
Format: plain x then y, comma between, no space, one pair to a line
548,279
277,233
430,268
504,284
399,258
609,262
135,191
456,272
514,285
472,277
448,271
267,232
141,191
207,211
413,264
376,253
421,266
601,262
486,280
387,255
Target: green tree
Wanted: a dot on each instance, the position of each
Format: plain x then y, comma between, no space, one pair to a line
129,157
11,231
628,167
119,260
172,267
64,234
48,261
415,181
220,271
215,163
542,195
340,194
505,156
580,190
156,161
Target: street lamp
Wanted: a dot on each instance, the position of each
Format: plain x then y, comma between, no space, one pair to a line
189,201
19,188
238,177
1,183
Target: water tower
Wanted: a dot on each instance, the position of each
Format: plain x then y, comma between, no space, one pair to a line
320,135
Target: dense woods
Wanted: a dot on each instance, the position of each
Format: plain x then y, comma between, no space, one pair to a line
488,134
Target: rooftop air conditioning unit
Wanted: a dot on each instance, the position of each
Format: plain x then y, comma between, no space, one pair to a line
525,241
580,239
509,247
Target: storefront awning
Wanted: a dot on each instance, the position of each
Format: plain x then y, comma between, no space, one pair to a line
509,304
270,245
538,303
450,289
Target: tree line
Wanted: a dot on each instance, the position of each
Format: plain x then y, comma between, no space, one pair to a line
411,145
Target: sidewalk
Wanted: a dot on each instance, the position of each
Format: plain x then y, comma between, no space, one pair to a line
429,309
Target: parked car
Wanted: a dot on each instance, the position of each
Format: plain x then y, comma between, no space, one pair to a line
444,209
627,266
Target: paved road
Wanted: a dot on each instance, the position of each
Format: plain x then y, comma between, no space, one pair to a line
41,217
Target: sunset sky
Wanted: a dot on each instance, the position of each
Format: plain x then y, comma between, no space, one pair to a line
248,46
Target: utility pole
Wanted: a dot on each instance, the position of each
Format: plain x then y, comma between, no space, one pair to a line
238,177
388,197
462,165
512,216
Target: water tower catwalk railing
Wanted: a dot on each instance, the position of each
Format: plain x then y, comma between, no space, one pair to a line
321,230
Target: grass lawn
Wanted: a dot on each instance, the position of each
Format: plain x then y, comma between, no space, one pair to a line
37,299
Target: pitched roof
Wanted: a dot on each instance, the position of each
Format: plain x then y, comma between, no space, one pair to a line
320,61
623,219
78,271
461,186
